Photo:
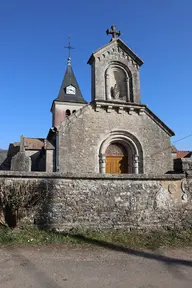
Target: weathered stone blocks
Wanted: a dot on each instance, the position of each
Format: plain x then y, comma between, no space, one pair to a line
107,202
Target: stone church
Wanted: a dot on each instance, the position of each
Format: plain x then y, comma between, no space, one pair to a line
114,133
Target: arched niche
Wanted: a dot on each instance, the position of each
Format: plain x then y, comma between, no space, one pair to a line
132,153
118,83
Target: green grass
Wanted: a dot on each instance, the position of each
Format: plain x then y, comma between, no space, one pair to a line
32,235
135,240
146,240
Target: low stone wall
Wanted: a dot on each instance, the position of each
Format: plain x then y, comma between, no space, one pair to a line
105,201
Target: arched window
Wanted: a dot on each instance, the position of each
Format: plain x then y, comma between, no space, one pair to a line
67,112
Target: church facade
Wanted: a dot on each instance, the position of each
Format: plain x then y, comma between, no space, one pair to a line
114,133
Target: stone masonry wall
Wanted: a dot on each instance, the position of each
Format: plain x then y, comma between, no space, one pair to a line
108,55
80,140
106,201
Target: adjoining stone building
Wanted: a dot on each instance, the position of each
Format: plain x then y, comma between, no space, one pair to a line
115,132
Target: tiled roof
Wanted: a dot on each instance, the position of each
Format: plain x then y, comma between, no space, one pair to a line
30,144
183,154
34,143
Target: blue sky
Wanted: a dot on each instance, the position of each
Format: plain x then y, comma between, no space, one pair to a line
33,59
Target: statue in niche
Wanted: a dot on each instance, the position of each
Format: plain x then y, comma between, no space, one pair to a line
116,91
118,85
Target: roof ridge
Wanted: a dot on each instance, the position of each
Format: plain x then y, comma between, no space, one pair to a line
39,138
184,150
158,121
123,45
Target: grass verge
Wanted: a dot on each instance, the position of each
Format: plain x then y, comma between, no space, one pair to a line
135,240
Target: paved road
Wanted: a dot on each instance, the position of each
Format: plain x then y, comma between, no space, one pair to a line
80,266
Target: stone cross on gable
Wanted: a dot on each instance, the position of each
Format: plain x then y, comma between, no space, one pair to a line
113,32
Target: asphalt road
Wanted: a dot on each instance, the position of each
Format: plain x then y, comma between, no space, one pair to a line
80,266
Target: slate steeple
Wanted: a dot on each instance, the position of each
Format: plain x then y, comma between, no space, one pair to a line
69,98
70,91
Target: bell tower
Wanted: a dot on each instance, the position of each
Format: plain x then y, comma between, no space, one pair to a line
69,99
115,72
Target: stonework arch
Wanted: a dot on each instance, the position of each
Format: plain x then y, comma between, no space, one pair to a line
118,83
116,149
133,148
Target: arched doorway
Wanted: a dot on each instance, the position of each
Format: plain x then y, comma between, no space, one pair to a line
121,147
116,159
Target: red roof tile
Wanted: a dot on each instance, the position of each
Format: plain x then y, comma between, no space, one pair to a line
34,143
182,154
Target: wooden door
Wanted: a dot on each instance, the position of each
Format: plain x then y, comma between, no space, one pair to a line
116,164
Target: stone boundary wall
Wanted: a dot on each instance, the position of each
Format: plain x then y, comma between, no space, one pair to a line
97,201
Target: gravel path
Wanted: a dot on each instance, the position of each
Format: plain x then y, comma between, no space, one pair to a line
84,266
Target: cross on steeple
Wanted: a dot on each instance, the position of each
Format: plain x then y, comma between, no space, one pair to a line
69,49
113,32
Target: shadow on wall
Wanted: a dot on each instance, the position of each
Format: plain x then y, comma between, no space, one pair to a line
38,161
34,200
3,157
44,210
6,164
26,200
6,156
